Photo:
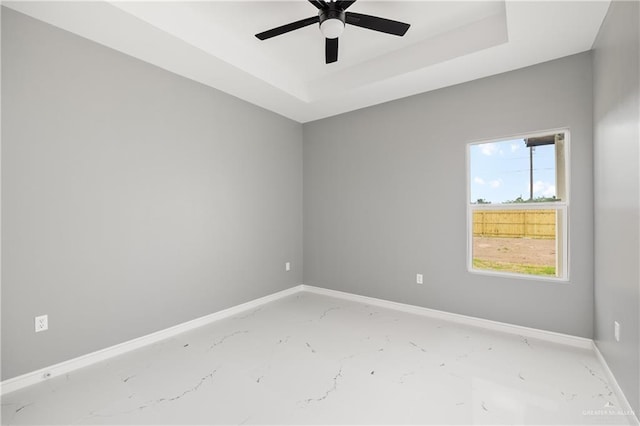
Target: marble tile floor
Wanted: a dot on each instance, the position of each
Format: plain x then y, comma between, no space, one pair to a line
314,359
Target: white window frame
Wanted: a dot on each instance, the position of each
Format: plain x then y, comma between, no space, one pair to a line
562,207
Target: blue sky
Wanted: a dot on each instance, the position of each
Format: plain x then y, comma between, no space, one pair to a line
499,171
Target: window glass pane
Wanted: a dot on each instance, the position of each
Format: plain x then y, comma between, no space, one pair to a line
518,170
516,241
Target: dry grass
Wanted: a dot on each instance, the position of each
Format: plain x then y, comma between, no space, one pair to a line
516,268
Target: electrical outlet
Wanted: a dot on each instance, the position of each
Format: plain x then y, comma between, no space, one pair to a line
287,266
616,330
42,323
419,279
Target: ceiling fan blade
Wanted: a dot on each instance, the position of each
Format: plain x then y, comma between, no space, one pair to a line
331,50
288,27
320,4
377,24
344,4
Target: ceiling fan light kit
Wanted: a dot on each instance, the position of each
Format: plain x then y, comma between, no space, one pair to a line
332,17
331,21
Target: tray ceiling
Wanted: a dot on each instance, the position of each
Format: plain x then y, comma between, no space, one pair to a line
213,42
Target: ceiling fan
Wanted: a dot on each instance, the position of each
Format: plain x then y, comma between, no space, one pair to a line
332,17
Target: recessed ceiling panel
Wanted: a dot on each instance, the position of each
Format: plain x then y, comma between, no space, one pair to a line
294,61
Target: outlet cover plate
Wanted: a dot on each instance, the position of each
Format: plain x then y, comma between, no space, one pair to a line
42,323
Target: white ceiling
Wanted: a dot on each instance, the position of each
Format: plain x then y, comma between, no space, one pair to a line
213,42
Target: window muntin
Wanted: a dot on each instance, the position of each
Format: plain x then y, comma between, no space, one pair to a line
517,205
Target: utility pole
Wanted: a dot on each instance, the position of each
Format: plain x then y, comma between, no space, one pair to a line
531,173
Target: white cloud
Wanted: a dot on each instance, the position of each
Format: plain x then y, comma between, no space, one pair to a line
488,148
495,183
515,147
550,191
545,189
478,180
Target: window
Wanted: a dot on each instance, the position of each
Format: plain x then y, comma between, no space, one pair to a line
517,206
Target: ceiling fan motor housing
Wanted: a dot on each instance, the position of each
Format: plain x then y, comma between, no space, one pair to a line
332,21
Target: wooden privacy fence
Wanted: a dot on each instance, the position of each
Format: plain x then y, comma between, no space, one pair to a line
515,223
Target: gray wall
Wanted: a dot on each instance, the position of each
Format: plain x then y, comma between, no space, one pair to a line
132,199
385,196
617,193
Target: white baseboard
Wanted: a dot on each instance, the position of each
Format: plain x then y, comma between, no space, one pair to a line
65,367
549,336
625,406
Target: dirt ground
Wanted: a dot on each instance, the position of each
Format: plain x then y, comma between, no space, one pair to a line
528,251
